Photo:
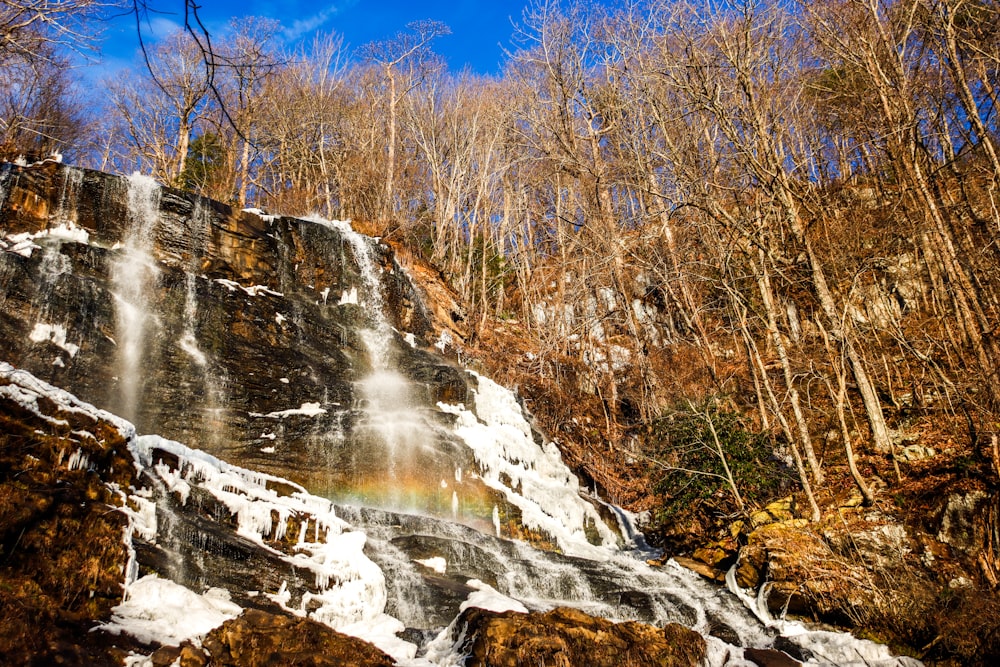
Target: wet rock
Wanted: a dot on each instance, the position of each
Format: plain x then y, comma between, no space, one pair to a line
568,637
257,638
249,317
699,567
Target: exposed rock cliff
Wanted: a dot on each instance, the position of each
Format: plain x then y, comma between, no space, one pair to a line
233,331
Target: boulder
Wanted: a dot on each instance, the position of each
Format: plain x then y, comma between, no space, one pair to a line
567,637
257,638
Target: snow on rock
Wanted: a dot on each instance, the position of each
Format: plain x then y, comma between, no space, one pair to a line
68,231
349,589
488,598
349,296
443,650
382,631
540,485
444,341
158,610
25,389
21,244
253,290
306,410
55,334
436,563
24,243
263,215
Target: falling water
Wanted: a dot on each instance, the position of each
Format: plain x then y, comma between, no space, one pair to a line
203,369
5,170
392,421
378,338
68,196
134,275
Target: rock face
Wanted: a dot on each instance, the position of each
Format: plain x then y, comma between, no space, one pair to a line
567,637
242,334
66,537
865,570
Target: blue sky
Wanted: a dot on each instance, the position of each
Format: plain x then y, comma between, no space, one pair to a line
479,29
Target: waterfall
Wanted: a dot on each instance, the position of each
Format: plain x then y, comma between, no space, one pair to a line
392,422
387,398
203,370
68,195
134,275
5,170
379,336
518,482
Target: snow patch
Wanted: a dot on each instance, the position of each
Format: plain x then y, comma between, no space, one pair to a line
306,410
349,296
24,243
55,334
158,610
252,290
25,390
488,598
436,563
444,341
261,214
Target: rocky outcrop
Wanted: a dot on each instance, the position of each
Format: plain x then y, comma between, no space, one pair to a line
567,637
62,546
924,587
257,638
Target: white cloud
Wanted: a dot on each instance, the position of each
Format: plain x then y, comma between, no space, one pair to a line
304,26
159,27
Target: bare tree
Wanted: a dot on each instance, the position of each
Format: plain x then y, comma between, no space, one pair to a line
32,28
250,59
403,62
39,109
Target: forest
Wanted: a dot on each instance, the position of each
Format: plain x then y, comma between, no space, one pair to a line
721,248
